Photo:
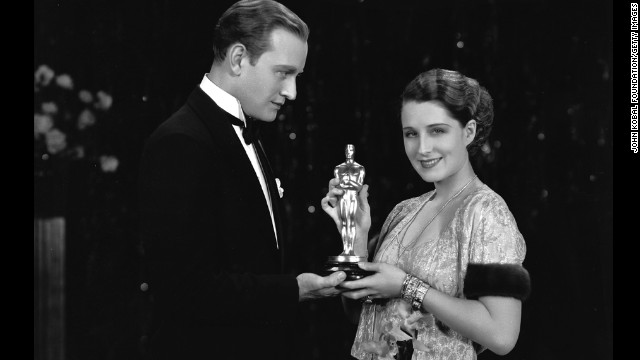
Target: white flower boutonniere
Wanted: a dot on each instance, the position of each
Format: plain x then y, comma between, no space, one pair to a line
280,189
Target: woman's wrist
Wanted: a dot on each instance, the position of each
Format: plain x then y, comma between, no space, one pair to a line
361,242
362,233
421,291
413,291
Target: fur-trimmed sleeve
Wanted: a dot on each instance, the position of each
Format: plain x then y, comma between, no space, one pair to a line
510,280
496,253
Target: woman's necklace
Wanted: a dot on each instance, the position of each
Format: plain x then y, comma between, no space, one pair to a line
402,249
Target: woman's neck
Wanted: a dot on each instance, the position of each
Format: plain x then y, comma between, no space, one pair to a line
446,188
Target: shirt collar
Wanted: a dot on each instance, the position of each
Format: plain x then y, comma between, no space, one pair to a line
223,99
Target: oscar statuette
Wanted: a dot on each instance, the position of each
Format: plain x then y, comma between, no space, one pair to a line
351,177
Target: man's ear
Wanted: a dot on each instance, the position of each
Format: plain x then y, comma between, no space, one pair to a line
235,54
470,131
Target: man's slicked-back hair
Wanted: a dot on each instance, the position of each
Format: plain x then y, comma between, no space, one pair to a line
250,22
462,96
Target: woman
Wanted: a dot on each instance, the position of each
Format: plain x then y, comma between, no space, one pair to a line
449,280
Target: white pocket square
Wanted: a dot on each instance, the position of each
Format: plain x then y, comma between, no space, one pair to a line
280,189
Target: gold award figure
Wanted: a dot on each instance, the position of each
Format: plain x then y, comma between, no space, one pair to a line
350,174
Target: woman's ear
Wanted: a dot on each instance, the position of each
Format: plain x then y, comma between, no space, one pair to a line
469,131
235,55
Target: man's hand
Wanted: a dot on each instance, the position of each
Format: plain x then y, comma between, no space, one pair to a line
312,286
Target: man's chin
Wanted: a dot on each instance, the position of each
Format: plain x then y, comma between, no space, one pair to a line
269,118
266,116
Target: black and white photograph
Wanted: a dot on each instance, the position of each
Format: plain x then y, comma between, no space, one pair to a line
328,179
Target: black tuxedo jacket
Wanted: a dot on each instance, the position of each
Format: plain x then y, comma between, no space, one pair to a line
214,271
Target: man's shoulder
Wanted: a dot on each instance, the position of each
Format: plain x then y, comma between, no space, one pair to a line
197,109
181,121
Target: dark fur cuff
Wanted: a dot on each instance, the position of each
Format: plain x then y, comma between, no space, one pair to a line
510,280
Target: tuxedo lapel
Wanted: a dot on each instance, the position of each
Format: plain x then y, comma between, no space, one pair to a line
222,133
219,124
225,142
271,186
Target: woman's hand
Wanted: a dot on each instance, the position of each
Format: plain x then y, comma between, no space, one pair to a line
330,205
385,283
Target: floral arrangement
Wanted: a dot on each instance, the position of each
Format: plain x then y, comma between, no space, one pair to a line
399,326
73,147
65,122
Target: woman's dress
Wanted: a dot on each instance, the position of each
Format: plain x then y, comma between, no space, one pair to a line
482,231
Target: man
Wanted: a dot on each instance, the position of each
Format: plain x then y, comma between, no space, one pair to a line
209,202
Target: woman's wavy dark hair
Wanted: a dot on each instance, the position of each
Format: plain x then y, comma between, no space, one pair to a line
462,96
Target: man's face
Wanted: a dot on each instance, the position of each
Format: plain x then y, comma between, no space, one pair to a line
272,80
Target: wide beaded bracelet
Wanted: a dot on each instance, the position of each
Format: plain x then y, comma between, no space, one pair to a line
409,287
421,291
413,291
405,285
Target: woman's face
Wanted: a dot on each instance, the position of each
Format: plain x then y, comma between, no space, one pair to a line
435,142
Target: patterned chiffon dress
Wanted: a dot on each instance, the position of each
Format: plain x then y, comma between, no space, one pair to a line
482,231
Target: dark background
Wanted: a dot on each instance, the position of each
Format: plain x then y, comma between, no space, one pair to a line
548,65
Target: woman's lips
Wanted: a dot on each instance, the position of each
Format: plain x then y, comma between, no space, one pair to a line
429,163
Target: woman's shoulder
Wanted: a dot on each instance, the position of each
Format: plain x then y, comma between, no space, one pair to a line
492,229
483,197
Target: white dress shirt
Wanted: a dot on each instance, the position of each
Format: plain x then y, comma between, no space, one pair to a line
231,105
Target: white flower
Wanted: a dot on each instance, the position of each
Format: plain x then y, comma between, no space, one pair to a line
86,119
108,163
56,141
104,100
43,75
64,81
85,96
380,348
280,189
49,107
42,123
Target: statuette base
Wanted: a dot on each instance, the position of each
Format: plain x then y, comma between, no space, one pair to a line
348,264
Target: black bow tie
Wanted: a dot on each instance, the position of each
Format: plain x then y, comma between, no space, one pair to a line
250,128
